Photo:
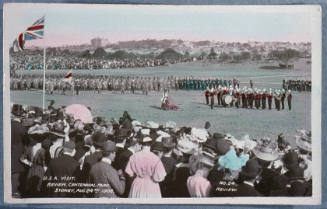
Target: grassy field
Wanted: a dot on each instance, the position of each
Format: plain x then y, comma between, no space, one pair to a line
193,111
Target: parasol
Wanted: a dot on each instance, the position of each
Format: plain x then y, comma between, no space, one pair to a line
80,112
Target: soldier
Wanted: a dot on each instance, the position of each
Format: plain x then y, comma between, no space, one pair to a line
251,84
289,99
244,101
283,98
237,97
224,93
219,95
257,99
206,94
212,97
277,100
263,99
231,92
270,99
250,98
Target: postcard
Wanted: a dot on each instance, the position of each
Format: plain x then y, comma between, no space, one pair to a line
162,104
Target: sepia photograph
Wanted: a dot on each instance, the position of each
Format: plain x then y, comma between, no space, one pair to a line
162,104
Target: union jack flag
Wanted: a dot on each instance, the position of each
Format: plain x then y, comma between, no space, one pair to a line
36,31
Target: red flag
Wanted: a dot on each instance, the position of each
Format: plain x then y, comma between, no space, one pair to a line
68,75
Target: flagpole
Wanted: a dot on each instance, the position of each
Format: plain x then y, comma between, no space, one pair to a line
44,66
43,78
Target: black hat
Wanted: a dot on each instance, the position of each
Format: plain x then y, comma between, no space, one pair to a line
98,139
291,159
17,109
122,134
251,169
207,125
218,136
157,146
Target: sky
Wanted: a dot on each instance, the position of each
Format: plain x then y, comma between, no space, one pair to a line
73,24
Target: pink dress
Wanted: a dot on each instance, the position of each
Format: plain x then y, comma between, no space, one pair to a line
149,171
198,186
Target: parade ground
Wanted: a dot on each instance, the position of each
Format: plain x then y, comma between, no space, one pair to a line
192,108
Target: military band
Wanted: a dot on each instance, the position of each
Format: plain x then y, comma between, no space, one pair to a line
248,97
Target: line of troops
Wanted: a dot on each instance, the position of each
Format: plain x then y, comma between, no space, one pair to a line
297,85
118,83
248,97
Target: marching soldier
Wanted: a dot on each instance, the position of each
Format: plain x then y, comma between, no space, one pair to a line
237,97
270,99
250,98
244,101
257,99
206,93
289,99
277,100
283,98
212,97
224,93
263,99
219,95
231,92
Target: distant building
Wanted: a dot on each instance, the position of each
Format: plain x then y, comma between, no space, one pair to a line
99,42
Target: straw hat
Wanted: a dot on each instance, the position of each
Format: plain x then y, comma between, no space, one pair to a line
186,146
200,134
303,143
151,124
266,150
171,124
38,129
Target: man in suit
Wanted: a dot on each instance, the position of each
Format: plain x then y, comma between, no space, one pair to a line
289,99
19,139
98,139
132,146
112,181
120,139
169,163
247,178
62,170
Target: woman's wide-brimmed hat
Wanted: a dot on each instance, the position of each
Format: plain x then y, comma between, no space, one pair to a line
200,134
186,146
266,150
304,140
304,143
38,129
57,129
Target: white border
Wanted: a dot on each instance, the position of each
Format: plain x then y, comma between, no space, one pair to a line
316,31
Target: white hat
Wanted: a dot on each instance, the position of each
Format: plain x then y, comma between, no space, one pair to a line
145,132
136,123
186,146
200,134
171,124
151,124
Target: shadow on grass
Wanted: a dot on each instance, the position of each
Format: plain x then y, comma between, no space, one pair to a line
155,107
